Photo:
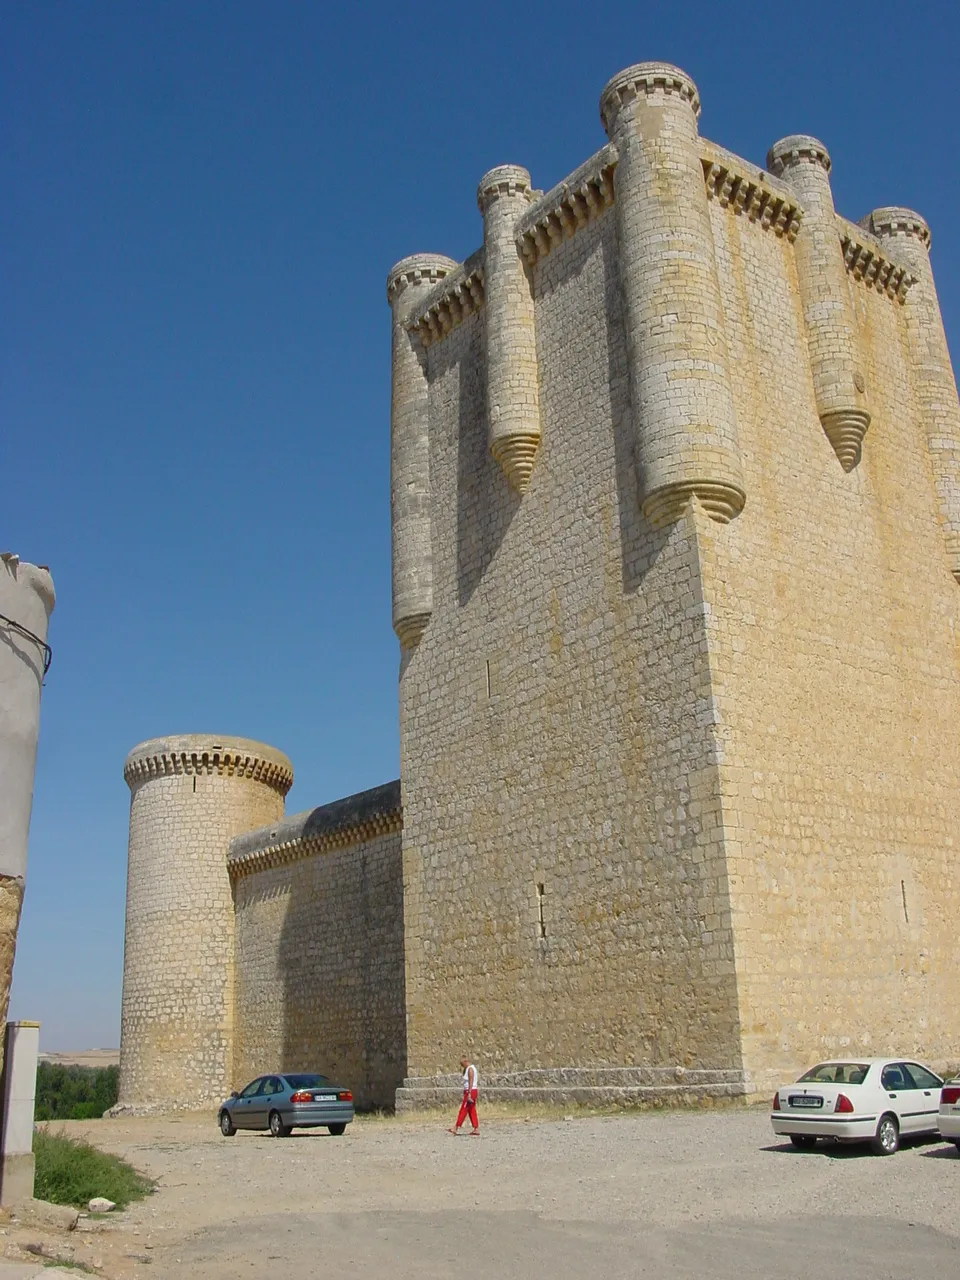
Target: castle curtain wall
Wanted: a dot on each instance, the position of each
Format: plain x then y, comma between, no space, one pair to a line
319,953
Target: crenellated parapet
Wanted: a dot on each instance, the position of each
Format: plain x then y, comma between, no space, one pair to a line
871,264
909,235
208,754
561,212
838,379
353,820
407,285
750,193
684,426
448,304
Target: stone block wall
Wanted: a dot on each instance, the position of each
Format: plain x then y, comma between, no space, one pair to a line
566,903
319,946
683,796
836,673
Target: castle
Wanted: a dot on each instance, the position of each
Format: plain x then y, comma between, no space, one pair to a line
676,552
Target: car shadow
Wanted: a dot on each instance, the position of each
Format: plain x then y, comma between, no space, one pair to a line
855,1150
949,1152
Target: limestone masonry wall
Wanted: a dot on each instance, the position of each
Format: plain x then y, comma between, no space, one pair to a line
678,791
319,946
675,493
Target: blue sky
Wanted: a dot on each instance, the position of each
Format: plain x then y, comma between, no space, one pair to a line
199,208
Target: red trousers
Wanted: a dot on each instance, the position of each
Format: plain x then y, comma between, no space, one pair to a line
469,1108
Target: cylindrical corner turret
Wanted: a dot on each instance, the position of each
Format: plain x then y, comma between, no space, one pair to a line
407,284
684,423
26,602
190,795
513,379
838,380
908,235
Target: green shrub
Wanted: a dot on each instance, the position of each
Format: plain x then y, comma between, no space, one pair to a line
75,1093
70,1171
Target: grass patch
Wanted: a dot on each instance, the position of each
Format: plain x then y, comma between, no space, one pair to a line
71,1171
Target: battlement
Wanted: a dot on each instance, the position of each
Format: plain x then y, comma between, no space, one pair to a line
895,221
354,819
209,754
873,263
796,149
645,78
417,269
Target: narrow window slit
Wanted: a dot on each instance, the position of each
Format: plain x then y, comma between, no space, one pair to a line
488,678
541,923
903,895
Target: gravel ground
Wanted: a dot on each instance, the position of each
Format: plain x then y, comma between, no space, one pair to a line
672,1194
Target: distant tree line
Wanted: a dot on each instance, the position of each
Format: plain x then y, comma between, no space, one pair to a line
75,1093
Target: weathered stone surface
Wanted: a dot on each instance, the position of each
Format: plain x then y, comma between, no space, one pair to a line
319,946
59,1216
679,706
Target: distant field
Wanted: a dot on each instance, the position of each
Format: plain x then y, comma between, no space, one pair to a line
84,1058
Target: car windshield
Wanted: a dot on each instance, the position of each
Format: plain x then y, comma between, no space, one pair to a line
306,1082
837,1073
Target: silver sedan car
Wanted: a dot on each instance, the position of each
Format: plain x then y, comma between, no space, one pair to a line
301,1100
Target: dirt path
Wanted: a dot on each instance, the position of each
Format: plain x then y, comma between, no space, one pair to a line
652,1194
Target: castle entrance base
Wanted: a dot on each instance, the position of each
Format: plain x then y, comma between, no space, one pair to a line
584,1086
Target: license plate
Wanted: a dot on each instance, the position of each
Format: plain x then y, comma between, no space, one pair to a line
324,1097
804,1100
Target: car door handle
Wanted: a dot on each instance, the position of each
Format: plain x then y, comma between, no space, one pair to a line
892,1095
926,1093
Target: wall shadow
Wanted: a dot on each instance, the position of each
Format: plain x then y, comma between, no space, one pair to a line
640,544
486,504
340,966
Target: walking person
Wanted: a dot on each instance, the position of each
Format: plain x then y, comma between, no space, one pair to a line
471,1087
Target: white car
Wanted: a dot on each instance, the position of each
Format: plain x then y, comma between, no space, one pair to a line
949,1117
871,1100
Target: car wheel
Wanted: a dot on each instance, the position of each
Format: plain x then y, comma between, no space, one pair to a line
887,1139
336,1129
277,1127
805,1141
227,1127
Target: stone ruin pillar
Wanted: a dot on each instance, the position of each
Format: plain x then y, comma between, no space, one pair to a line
26,602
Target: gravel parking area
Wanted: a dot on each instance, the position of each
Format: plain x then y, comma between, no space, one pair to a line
666,1194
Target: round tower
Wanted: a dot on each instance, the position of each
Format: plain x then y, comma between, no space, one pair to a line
407,285
908,236
190,796
685,432
513,381
838,381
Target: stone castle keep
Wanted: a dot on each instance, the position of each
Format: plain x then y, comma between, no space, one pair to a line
676,552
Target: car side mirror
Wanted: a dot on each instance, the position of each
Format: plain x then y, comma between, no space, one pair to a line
234,1094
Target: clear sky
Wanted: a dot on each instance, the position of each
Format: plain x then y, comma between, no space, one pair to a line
199,206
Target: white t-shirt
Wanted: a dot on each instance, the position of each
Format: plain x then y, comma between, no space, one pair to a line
471,1079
